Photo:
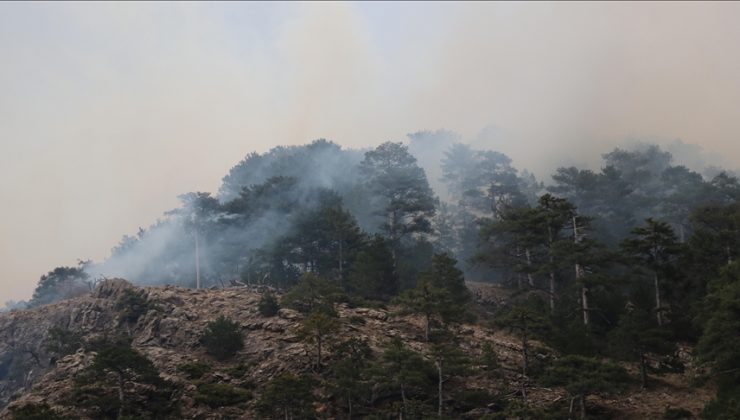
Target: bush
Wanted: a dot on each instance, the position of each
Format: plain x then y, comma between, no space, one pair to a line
287,395
239,370
62,342
489,358
194,370
268,305
35,412
131,305
469,399
671,413
220,395
222,338
357,320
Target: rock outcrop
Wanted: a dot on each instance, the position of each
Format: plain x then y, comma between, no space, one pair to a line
169,332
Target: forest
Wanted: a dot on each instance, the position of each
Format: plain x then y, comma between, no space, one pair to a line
638,258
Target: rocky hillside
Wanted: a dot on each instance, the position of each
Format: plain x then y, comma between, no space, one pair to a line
169,335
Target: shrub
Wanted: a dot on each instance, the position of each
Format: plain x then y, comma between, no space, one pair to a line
35,412
131,305
222,338
287,395
220,395
357,320
239,370
194,370
62,342
268,305
469,399
489,358
671,413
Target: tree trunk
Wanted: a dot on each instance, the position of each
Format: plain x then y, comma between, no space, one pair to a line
658,307
552,273
525,364
570,408
120,394
197,260
439,387
583,405
584,305
552,292
643,370
318,352
584,289
426,327
403,400
527,254
729,255
349,405
341,264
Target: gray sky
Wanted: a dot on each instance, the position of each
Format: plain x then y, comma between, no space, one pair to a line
109,111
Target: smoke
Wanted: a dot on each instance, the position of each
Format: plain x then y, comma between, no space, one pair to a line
109,111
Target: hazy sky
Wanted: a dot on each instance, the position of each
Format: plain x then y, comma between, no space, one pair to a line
109,111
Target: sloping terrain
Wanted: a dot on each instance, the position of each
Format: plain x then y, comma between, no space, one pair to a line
169,335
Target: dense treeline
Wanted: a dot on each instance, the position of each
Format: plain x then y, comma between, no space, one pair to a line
620,263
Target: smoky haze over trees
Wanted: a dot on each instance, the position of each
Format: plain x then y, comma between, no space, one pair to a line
315,208
624,262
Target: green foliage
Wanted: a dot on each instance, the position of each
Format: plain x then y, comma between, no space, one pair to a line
468,399
489,358
35,412
268,305
528,320
583,376
62,342
638,334
350,373
720,343
426,299
518,409
404,197
132,304
312,293
317,328
402,371
222,338
287,396
194,370
374,276
221,395
673,413
239,370
101,387
60,283
445,275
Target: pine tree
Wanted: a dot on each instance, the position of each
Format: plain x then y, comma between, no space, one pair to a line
288,397
720,343
373,275
406,201
527,320
449,360
350,372
317,328
403,369
582,376
636,335
655,246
